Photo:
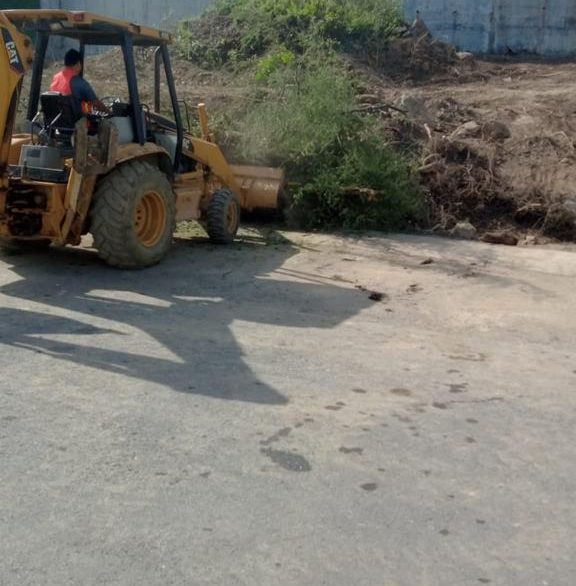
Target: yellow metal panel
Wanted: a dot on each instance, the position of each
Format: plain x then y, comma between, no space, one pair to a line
80,19
16,144
16,57
188,202
210,155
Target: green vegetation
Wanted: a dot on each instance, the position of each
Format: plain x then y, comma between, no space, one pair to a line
234,31
341,171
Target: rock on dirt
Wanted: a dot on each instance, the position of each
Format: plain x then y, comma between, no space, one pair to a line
369,99
470,129
506,238
495,130
464,231
560,220
465,56
416,108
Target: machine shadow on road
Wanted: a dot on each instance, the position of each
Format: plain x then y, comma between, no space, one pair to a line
172,324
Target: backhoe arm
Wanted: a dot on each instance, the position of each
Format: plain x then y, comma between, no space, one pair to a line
16,57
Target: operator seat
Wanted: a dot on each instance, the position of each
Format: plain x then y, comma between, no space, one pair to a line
60,115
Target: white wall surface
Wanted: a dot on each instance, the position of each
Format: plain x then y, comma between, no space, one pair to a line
151,12
545,27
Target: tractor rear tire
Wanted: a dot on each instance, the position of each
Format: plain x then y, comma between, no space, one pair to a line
223,217
133,216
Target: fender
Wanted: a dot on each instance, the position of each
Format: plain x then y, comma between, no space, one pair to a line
16,58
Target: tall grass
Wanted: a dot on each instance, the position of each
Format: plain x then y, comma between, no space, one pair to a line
340,170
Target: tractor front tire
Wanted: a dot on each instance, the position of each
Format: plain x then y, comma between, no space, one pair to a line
133,216
223,217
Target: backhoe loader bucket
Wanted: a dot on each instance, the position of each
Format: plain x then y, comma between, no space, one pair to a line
261,186
256,188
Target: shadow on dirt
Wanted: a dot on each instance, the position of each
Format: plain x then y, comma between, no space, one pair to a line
171,324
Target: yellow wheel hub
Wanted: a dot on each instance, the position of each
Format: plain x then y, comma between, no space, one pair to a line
232,217
150,219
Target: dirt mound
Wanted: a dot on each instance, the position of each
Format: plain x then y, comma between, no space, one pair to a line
418,56
497,141
463,183
415,57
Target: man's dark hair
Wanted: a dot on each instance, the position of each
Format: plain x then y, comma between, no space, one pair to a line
72,58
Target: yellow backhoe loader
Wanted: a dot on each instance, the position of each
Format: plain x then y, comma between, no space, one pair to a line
126,176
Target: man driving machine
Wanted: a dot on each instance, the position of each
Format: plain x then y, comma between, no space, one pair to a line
69,82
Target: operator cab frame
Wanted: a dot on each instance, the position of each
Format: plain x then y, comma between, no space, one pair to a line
93,30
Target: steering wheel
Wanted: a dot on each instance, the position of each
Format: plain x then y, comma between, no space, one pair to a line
109,101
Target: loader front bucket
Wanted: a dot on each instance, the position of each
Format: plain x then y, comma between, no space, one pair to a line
261,186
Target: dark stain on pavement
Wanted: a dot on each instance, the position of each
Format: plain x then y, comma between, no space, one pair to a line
287,460
469,357
377,296
444,532
285,431
401,392
458,388
402,418
359,391
369,486
345,450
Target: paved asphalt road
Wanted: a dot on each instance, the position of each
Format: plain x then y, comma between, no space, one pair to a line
248,416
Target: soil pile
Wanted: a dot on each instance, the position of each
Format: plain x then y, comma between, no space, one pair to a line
497,141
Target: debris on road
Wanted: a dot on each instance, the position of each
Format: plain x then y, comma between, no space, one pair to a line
464,231
505,238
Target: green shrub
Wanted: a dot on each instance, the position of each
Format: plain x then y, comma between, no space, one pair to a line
342,174
303,116
238,30
273,62
307,114
372,187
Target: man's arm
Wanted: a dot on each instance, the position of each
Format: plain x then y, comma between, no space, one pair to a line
83,91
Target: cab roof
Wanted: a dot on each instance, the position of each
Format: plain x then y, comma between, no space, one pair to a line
86,27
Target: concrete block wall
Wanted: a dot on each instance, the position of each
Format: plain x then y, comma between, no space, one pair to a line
543,27
159,13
